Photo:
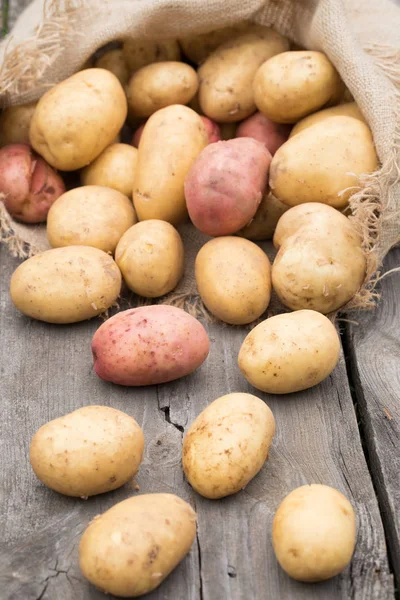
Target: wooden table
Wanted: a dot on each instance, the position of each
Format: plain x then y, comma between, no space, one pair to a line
344,432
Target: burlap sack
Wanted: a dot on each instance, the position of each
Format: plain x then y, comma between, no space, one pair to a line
52,39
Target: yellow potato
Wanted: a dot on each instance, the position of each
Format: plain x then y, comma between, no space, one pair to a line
139,53
132,547
198,47
320,264
78,118
290,352
322,163
228,443
159,85
114,168
14,124
172,139
292,85
114,61
90,216
314,533
226,77
233,279
350,109
90,451
66,285
151,258
263,224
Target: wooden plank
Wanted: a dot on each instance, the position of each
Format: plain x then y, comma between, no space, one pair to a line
374,347
47,371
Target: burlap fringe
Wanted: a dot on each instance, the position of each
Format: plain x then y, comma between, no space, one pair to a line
16,245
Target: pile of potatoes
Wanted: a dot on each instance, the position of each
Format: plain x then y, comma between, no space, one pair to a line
250,141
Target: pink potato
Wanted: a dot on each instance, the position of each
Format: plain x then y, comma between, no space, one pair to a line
30,185
260,128
149,345
226,184
213,131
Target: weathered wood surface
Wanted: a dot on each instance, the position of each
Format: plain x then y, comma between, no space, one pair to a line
375,363
46,371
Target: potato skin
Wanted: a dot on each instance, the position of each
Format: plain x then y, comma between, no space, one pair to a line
225,92
171,141
321,163
225,185
264,222
199,47
131,548
151,258
314,533
114,61
290,352
294,84
233,277
227,444
213,130
349,109
159,85
66,285
139,53
149,345
262,129
115,168
90,451
78,118
14,124
90,216
30,186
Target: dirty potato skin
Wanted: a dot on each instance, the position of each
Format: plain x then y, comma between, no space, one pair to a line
78,118
314,533
233,278
66,285
139,53
149,345
114,61
15,122
349,109
151,258
290,352
264,222
227,444
131,548
90,451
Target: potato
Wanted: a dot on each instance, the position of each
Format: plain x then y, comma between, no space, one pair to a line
159,85
66,285
292,85
233,277
225,185
115,168
198,47
139,53
213,130
150,256
226,77
172,139
262,129
90,451
228,443
29,184
78,118
262,225
90,216
350,109
314,533
322,163
132,547
290,352
149,345
137,136
320,264
228,130
14,124
114,61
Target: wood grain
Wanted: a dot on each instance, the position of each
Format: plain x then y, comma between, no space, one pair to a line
375,362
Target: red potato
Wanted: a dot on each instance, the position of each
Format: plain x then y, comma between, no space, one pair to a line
149,345
226,184
213,131
30,185
260,128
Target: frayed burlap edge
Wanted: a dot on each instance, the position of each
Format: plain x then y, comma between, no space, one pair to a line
17,247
